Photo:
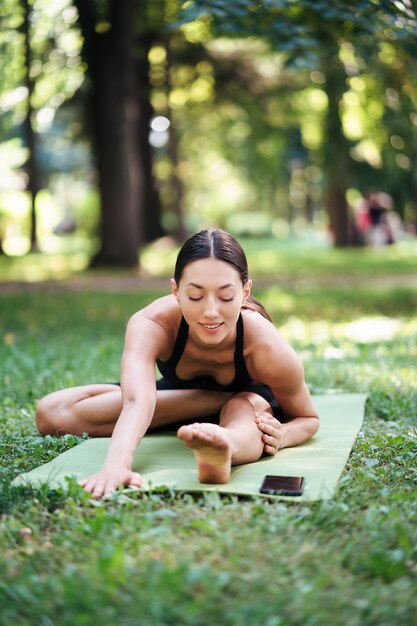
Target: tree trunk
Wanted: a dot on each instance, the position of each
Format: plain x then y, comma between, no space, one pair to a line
151,223
177,207
33,184
116,120
337,160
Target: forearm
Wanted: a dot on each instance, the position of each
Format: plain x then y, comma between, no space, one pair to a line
130,428
298,430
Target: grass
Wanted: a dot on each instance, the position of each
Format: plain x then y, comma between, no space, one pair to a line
303,257
294,259
162,559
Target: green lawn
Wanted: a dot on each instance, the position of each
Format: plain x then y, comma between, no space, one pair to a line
161,559
304,257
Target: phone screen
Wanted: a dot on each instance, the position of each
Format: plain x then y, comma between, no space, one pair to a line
283,485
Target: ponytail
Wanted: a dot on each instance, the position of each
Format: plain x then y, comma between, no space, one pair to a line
254,305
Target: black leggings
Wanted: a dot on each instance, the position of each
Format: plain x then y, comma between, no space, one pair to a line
164,384
262,390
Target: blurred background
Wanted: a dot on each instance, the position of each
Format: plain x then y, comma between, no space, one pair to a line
126,125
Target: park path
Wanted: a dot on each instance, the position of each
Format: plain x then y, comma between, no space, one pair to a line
134,283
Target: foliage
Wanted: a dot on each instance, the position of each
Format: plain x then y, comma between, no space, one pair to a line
283,261
56,69
253,91
55,74
295,24
344,55
306,257
162,558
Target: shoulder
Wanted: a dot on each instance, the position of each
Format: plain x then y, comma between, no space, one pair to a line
163,311
268,355
260,332
155,325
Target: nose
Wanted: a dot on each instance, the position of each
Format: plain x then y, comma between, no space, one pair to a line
211,308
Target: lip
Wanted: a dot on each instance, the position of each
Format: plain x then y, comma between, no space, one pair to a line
211,328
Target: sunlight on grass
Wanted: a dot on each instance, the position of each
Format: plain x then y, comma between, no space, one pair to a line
376,339
276,300
59,258
38,267
276,258
271,258
369,330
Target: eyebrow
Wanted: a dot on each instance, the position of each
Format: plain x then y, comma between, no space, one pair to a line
201,287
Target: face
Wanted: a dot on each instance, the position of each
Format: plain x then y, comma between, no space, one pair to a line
210,294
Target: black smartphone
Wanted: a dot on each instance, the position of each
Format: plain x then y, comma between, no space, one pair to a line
283,485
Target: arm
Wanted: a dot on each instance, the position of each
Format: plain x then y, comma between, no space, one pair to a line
143,342
299,428
273,362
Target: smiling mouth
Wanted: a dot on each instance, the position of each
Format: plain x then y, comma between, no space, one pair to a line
211,326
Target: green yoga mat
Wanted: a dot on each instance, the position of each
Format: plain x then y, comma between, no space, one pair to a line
164,461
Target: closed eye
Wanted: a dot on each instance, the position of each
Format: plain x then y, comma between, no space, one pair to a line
201,297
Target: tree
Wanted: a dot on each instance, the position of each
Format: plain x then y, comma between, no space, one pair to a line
118,37
33,185
218,94
115,115
311,34
152,209
154,35
40,71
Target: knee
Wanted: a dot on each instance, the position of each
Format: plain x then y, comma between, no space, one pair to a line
48,415
253,402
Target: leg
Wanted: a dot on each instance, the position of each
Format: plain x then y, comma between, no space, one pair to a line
235,441
91,409
94,409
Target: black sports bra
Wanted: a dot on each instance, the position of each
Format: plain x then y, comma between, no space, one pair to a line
168,368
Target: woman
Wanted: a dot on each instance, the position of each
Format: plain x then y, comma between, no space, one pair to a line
218,353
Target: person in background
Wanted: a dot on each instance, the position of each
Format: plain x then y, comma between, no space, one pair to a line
376,221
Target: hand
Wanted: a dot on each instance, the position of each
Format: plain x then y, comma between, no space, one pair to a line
271,429
109,479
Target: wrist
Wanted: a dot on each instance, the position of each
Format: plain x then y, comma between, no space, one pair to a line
119,454
283,437
118,462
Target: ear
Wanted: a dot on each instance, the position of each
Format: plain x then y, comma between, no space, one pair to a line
246,289
174,289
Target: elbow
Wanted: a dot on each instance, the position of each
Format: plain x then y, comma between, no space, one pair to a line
315,424
128,402
131,400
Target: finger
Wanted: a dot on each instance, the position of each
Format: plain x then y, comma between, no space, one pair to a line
99,489
262,417
110,488
261,423
272,421
267,428
270,450
136,480
86,480
271,441
89,485
267,418
271,445
97,493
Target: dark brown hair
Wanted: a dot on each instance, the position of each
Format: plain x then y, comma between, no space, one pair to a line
217,244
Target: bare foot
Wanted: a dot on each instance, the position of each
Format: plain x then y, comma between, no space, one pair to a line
212,450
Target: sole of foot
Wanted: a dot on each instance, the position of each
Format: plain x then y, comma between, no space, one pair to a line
212,451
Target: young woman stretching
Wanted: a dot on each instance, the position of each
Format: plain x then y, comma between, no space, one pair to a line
227,375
